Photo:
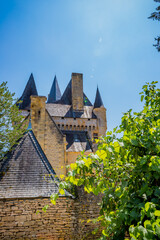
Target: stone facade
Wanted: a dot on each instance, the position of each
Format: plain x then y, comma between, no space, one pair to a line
49,136
67,220
58,131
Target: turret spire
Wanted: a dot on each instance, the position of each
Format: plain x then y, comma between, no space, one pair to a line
55,93
98,100
29,90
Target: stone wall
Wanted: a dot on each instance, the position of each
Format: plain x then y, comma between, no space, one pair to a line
67,220
48,135
102,121
55,146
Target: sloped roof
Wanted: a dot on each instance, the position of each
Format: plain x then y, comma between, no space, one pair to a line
29,90
67,97
26,172
77,141
55,93
98,100
59,110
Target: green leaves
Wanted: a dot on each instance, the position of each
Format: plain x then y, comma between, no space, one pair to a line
126,170
157,213
11,127
44,209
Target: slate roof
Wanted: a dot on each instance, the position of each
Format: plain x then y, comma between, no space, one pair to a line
59,110
98,100
29,90
26,172
55,93
67,97
78,141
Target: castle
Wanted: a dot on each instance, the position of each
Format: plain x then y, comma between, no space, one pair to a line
65,125
59,129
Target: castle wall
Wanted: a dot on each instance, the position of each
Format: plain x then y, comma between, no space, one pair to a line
71,157
82,124
55,146
78,124
102,121
67,220
48,135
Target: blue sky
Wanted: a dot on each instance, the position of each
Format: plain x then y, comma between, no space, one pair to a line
110,42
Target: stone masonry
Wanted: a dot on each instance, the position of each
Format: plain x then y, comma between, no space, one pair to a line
67,220
59,129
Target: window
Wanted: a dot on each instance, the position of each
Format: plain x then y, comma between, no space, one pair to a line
39,114
95,136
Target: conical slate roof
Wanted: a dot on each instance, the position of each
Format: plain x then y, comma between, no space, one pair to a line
67,96
55,93
29,90
98,100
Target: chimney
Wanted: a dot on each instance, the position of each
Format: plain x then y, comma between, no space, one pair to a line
77,91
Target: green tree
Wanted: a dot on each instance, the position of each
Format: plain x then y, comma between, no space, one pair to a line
11,127
126,170
156,16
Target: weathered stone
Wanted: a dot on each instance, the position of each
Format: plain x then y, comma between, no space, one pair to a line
59,222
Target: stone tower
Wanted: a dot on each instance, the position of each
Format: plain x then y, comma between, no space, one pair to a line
64,125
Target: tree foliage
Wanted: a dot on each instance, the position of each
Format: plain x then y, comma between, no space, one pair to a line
126,170
156,16
11,128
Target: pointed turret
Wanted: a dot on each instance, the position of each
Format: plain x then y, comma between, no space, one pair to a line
55,93
100,112
29,90
67,95
98,100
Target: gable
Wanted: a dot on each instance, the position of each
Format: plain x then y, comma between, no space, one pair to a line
26,172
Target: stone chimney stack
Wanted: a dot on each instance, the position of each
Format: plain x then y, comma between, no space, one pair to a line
77,91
